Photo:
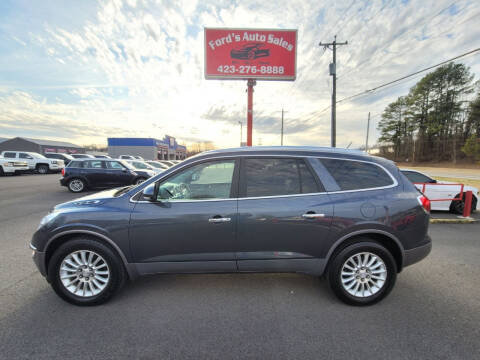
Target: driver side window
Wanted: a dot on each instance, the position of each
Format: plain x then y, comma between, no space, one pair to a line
210,180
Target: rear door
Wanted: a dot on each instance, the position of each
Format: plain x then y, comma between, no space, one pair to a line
284,216
95,172
28,159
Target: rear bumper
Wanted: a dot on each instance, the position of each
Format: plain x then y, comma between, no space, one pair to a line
414,255
63,182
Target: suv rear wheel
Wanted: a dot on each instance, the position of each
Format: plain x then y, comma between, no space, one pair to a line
362,273
85,272
76,185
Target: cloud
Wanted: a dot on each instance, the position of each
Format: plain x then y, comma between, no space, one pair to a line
136,67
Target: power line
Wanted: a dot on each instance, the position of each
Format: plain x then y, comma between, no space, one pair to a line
390,83
387,44
409,75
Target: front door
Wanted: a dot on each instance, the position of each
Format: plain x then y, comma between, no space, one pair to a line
116,174
192,225
284,216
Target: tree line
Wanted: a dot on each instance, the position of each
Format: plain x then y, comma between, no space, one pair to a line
436,121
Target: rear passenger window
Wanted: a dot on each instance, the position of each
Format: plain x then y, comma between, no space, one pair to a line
273,177
9,155
356,175
75,164
114,165
94,164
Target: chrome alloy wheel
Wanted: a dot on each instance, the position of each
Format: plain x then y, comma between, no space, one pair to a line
84,273
76,185
363,274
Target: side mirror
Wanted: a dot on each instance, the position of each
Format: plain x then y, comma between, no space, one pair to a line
149,193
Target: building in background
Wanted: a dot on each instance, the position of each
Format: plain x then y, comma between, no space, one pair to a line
40,146
148,148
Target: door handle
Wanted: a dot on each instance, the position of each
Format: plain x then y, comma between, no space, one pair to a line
312,215
219,220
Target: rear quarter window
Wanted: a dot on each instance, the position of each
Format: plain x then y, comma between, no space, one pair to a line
356,175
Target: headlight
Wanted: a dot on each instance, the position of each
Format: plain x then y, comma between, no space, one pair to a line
46,219
9,163
54,162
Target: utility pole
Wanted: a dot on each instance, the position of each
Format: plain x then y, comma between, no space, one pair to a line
250,84
281,137
241,132
368,129
333,72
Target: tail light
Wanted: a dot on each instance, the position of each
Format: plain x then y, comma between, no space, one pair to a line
425,202
63,172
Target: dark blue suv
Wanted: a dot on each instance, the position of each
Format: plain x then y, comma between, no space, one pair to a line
350,216
84,174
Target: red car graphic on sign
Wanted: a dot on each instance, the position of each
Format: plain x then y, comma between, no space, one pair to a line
250,52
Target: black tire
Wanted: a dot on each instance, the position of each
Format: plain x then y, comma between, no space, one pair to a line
42,169
2,173
76,185
139,180
117,271
334,270
457,206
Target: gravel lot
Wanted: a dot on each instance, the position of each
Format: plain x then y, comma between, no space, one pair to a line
433,313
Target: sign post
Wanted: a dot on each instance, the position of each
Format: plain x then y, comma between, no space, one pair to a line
252,54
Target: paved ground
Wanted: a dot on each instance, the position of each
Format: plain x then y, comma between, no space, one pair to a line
433,313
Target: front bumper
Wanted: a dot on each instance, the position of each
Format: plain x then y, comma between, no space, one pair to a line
416,254
39,260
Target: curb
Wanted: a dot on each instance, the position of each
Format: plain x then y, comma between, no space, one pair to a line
467,220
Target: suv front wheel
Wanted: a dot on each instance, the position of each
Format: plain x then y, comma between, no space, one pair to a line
362,273
85,272
42,169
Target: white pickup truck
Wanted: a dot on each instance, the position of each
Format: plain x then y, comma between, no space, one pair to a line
35,161
8,166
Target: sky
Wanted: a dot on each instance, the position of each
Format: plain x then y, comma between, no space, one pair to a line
82,71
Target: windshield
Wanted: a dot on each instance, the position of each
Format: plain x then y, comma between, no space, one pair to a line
127,165
140,165
157,165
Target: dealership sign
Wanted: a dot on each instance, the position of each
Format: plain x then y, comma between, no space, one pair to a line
250,54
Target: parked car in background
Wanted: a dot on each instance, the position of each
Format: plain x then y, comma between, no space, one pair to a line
166,162
156,164
36,162
142,165
7,166
126,157
60,156
101,156
84,174
138,157
82,156
349,216
437,190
